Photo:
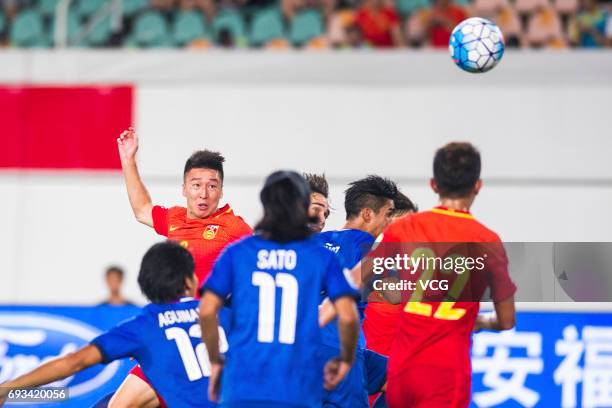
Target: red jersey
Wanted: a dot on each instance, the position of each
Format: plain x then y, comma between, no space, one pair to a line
204,238
376,25
438,334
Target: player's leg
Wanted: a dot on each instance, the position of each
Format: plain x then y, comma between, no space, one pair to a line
135,392
429,387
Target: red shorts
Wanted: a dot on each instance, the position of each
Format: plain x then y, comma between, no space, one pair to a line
137,371
429,387
380,326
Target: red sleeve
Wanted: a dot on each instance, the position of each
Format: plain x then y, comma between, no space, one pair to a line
393,18
160,220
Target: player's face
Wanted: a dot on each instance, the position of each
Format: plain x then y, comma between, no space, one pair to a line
319,209
113,281
203,190
381,219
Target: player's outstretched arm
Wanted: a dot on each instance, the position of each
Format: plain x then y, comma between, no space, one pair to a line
209,323
139,197
348,327
503,319
54,370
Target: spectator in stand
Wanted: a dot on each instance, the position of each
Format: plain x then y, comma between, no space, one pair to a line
380,24
544,29
589,26
443,17
354,37
114,279
510,25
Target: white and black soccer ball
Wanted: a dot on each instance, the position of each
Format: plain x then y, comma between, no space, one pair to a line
476,45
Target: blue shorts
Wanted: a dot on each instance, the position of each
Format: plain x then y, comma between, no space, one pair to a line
375,370
351,392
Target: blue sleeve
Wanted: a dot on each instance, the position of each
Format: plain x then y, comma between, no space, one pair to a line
336,282
220,280
120,342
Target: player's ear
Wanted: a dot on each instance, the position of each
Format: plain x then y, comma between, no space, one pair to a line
191,284
433,185
184,190
366,214
477,186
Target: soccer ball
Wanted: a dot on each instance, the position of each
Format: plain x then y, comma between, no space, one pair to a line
476,45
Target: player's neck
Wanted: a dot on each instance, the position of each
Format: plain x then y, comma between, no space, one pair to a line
458,204
357,224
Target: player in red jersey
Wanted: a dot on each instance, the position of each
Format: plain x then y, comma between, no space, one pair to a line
429,362
202,227
380,322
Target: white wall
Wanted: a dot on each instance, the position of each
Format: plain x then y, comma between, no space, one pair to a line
541,121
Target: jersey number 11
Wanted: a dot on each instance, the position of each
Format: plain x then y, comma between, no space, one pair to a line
267,306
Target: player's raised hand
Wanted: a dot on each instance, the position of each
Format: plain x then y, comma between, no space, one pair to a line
335,370
127,142
214,381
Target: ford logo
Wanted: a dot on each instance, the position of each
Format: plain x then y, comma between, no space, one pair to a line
28,340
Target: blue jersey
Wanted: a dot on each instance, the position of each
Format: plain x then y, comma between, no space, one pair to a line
274,333
350,245
165,340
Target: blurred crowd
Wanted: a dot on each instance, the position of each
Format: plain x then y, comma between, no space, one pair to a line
313,23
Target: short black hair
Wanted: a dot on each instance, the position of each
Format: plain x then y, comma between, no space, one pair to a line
403,205
114,269
318,183
369,192
163,271
205,159
285,198
456,169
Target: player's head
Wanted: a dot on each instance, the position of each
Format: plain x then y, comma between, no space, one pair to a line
114,278
285,198
456,171
403,205
167,273
203,183
369,203
319,203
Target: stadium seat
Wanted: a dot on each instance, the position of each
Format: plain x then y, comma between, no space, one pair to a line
528,6
544,28
509,22
2,22
100,34
151,30
405,7
131,7
27,30
485,8
233,22
305,26
267,25
73,26
86,8
47,7
187,27
566,6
